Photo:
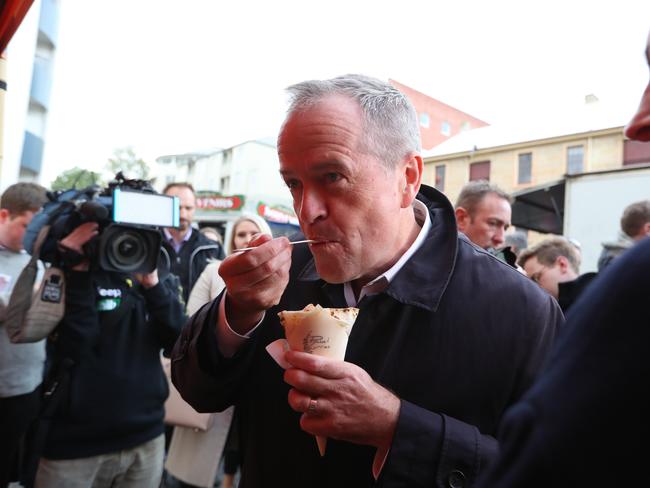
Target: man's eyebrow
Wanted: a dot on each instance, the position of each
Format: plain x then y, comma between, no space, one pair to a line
315,168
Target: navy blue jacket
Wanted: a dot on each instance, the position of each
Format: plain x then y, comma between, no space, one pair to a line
113,331
585,421
458,335
191,260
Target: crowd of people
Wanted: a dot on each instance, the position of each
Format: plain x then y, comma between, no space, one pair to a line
475,360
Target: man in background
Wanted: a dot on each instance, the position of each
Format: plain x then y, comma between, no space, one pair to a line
106,427
21,365
635,225
483,213
554,264
188,249
517,241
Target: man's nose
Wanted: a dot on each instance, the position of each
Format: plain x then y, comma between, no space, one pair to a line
312,207
499,237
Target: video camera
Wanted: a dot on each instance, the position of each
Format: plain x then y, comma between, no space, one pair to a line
130,215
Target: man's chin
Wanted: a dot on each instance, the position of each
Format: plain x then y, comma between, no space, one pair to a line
331,272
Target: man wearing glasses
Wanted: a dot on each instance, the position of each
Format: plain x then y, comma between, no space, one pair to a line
554,264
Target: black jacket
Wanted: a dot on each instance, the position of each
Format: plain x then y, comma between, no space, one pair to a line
569,291
458,335
113,330
192,259
585,420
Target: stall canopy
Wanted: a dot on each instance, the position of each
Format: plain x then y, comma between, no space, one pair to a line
540,208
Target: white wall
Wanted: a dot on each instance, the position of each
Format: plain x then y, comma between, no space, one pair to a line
594,205
255,170
207,173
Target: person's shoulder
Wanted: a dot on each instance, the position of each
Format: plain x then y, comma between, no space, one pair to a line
630,269
500,274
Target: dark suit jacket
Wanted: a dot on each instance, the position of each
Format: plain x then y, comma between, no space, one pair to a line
585,422
458,335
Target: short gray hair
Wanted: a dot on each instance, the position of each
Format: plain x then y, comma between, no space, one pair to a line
474,191
390,122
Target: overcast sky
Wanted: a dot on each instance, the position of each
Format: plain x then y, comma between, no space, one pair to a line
178,76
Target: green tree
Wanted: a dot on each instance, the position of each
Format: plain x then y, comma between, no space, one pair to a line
125,160
76,178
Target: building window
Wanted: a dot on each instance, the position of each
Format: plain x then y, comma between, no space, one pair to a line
575,156
425,120
440,177
479,171
445,128
524,173
225,184
636,152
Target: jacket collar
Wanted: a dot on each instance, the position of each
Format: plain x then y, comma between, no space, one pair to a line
423,279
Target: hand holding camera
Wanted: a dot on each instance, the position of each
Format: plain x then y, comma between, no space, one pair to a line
114,229
77,239
147,280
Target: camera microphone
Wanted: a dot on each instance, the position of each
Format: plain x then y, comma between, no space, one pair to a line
93,211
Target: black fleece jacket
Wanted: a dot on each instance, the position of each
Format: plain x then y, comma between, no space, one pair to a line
113,331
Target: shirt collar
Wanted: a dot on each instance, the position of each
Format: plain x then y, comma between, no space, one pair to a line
185,238
381,282
178,245
424,277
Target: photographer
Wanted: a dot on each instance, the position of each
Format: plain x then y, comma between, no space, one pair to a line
107,426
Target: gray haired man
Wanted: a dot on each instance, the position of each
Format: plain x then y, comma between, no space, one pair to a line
426,376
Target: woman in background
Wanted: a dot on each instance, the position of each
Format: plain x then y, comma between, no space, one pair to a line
194,456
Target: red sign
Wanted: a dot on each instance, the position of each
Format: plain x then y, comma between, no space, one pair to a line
220,202
277,214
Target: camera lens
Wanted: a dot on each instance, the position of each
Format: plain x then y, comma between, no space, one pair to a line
127,251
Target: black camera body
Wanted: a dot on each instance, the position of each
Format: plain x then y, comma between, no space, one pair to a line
130,215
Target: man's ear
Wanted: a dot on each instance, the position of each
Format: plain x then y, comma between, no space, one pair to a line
462,218
4,215
412,178
563,263
645,230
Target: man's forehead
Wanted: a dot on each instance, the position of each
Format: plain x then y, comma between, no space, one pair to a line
493,201
532,264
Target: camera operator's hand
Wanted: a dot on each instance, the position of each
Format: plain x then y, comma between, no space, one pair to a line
76,239
147,280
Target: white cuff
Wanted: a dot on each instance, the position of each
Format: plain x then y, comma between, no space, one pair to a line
228,340
379,461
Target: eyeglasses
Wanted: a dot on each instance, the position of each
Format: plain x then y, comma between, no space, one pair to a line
537,276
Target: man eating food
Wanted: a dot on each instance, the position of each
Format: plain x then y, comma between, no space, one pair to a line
446,339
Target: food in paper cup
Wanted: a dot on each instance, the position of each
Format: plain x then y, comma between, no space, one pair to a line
318,330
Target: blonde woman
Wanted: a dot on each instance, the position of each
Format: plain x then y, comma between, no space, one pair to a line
194,456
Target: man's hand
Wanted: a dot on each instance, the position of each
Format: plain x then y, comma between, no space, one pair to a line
348,406
76,239
255,280
147,280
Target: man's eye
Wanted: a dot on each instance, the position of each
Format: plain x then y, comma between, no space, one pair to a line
332,177
291,184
